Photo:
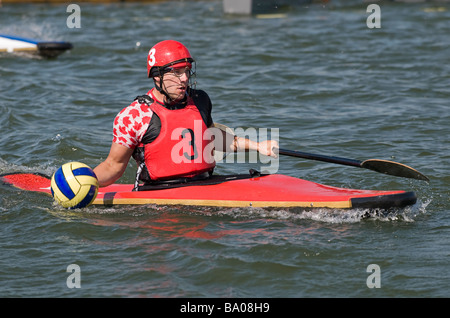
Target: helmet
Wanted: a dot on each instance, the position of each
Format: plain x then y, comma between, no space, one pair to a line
168,53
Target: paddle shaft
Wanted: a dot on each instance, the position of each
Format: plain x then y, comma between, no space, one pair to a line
383,166
330,159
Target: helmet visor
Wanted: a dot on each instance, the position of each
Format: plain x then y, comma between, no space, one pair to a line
183,63
173,67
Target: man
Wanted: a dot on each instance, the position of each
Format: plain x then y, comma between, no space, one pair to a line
166,131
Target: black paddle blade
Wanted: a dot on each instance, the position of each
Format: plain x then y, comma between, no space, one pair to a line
393,169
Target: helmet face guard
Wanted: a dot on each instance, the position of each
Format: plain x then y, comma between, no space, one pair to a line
161,70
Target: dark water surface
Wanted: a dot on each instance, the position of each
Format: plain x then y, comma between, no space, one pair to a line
329,84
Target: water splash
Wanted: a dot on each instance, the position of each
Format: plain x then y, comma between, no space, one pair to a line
332,216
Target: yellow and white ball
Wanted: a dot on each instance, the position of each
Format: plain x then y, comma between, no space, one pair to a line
74,185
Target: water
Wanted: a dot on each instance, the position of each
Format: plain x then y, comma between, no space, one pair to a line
330,84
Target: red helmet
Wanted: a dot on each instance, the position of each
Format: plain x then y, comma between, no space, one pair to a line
168,53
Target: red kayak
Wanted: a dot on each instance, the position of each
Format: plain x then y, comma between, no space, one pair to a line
234,191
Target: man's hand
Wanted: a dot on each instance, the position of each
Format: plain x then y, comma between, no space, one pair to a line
268,148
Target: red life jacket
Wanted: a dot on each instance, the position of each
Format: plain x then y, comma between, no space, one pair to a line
184,146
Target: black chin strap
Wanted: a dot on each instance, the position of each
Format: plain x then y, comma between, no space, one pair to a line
159,89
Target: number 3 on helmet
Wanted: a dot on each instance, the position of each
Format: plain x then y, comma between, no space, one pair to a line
168,53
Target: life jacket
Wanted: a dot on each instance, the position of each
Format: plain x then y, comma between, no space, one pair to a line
184,147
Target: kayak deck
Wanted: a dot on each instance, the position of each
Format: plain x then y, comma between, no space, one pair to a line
263,191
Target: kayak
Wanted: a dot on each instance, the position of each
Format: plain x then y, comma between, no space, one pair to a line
272,190
10,44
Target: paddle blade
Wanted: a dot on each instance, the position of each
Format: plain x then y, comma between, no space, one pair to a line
393,169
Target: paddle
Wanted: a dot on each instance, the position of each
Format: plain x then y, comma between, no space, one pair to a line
378,165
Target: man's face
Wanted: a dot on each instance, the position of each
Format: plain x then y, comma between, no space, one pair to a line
175,82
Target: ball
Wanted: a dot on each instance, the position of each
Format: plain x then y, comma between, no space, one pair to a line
74,185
